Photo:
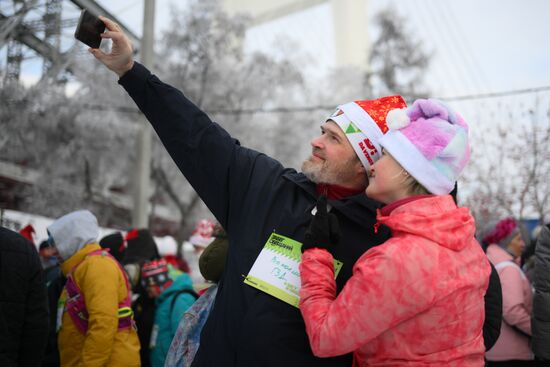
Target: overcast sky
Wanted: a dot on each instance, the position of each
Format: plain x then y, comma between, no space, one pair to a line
479,46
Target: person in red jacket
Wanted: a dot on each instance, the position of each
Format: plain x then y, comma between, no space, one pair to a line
417,299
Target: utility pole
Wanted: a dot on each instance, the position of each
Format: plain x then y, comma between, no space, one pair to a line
143,171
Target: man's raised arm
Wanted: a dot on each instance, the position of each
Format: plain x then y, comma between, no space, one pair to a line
218,168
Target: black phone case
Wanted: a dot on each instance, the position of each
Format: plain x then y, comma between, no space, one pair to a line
89,29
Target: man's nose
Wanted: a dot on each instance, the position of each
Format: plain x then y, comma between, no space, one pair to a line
317,142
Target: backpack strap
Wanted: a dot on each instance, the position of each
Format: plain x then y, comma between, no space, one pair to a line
76,306
507,263
177,294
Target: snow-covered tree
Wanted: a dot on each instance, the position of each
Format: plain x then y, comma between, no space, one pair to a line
398,61
509,170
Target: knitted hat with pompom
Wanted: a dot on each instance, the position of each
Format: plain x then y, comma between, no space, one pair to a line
503,233
430,141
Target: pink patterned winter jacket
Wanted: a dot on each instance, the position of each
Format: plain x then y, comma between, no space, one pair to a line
415,300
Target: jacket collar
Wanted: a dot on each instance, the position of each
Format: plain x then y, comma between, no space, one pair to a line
497,254
386,210
356,207
336,192
74,260
302,181
436,218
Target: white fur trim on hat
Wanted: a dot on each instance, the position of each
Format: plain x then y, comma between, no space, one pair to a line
398,119
363,121
414,162
200,241
364,142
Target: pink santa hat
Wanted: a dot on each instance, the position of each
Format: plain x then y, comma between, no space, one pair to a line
202,235
430,141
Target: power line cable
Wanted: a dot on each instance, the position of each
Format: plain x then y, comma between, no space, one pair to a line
248,111
441,32
447,27
449,74
463,44
497,94
323,51
458,45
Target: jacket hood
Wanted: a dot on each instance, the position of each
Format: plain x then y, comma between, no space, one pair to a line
182,282
73,231
436,218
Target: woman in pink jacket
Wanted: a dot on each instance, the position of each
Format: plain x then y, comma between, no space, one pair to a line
417,299
513,345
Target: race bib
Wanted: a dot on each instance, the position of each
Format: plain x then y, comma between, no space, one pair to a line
276,270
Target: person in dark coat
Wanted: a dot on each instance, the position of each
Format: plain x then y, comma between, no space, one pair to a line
540,321
493,300
252,196
23,302
115,243
141,248
55,281
493,310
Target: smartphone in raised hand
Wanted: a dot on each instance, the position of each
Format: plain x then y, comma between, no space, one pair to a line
89,29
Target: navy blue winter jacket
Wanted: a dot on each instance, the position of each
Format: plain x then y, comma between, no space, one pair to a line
251,195
23,302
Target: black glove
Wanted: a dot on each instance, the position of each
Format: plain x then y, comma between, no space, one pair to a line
324,230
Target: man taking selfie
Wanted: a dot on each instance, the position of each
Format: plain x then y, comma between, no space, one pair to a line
252,196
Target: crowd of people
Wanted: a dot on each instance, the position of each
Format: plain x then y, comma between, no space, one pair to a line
114,301
144,309
415,286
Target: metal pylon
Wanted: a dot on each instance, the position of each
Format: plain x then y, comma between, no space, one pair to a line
52,29
14,59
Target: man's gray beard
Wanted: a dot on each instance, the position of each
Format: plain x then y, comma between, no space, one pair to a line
317,173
